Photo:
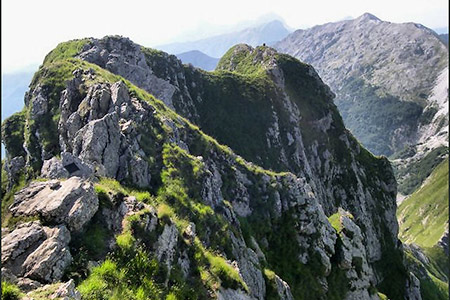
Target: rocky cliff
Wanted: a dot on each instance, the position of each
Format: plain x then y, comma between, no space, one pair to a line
177,213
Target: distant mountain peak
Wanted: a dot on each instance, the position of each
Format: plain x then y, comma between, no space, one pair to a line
273,23
368,17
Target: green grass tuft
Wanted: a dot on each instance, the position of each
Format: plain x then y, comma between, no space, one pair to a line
10,291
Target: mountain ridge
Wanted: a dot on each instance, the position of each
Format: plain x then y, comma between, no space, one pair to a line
98,110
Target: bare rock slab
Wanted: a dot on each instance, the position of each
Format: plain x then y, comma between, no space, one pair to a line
71,202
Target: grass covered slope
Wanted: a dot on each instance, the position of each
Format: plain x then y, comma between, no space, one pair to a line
411,175
423,215
431,267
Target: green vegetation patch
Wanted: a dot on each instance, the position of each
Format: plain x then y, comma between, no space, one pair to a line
13,129
413,175
8,198
10,291
66,50
240,59
335,221
423,215
107,187
374,115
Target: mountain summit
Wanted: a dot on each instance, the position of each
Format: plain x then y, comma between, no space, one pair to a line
368,17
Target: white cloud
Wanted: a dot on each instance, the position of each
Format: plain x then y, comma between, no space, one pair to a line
30,28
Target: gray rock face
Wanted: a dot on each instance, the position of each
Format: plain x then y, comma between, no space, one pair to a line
98,135
229,294
283,289
249,268
354,259
109,54
53,169
401,61
22,238
72,202
50,259
36,252
443,242
39,103
98,142
382,52
431,134
167,241
13,167
413,288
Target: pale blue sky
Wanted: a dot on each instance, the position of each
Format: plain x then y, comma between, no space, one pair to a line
31,28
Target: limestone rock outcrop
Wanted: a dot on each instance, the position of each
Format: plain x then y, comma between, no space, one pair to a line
71,202
36,252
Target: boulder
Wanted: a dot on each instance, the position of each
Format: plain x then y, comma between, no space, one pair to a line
48,262
71,202
36,253
166,244
53,168
19,240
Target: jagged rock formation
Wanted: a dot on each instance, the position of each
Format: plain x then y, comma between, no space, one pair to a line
383,75
213,221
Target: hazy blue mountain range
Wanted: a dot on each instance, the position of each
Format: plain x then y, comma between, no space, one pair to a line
441,30
199,59
444,38
14,86
216,46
